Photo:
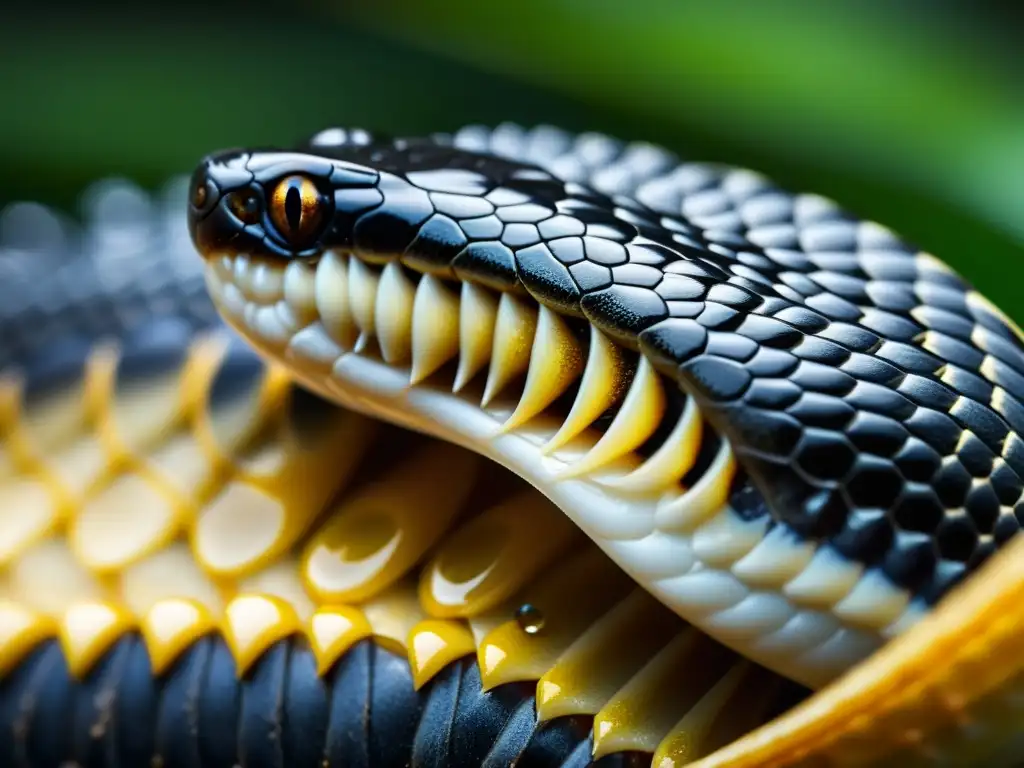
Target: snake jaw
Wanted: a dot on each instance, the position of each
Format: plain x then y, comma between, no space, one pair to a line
513,381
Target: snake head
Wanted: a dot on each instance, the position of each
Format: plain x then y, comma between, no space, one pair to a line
794,429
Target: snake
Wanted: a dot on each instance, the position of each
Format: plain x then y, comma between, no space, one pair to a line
502,447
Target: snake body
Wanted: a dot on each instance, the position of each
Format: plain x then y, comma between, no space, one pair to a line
791,428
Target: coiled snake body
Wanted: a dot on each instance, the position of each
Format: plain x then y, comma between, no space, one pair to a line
787,436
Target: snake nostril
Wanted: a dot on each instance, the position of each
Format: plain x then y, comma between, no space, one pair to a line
199,195
203,193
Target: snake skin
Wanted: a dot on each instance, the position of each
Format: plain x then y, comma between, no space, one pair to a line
873,399
130,273
838,344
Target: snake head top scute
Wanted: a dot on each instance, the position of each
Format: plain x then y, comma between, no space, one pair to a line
790,426
408,200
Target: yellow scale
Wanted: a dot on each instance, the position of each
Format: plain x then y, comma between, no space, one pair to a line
154,510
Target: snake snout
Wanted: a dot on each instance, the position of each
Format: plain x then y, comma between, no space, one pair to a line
221,197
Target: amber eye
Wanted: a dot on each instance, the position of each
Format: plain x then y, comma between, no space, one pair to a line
297,209
245,205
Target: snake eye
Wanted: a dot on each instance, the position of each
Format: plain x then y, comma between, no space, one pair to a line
297,209
245,205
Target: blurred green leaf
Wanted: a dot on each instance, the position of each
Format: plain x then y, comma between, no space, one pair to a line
901,117
103,96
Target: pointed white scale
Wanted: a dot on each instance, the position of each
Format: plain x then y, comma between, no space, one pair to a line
288,320
556,361
300,292
435,327
673,459
241,278
513,339
478,313
362,296
393,313
704,499
331,288
268,327
642,410
266,281
223,265
604,383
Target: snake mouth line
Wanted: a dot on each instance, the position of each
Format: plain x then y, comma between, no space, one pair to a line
625,454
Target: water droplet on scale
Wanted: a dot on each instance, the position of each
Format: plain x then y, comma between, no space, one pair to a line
530,619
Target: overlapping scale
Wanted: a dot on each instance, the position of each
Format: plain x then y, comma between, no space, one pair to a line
380,531
280,484
211,522
494,555
613,645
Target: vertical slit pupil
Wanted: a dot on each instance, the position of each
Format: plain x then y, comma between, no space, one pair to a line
293,207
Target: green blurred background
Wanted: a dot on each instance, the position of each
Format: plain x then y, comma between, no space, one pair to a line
908,111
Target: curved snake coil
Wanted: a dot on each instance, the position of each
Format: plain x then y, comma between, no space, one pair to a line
794,432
